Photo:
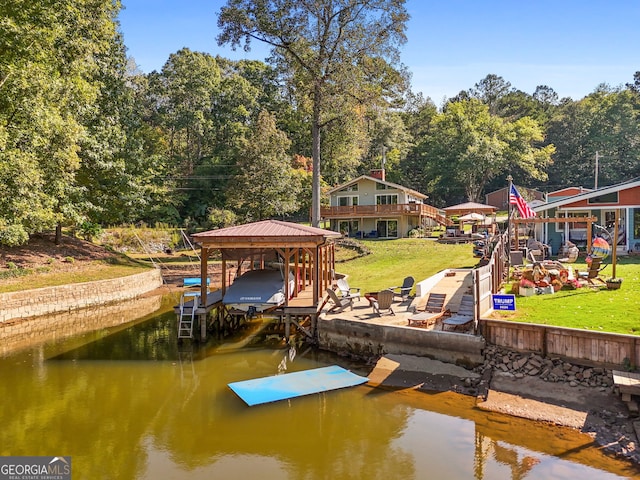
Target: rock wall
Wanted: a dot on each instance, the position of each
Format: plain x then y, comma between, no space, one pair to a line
19,334
64,298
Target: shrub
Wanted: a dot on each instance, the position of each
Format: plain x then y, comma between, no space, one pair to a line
417,232
13,235
90,230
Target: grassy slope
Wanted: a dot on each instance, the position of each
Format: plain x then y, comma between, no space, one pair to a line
90,272
393,260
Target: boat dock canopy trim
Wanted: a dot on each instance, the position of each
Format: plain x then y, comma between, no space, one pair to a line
296,384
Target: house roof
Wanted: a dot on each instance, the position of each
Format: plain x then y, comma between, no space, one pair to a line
568,191
633,183
377,180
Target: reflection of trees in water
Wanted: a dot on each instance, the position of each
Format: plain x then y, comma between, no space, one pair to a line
509,456
343,434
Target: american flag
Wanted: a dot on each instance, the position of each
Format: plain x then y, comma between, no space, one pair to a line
523,209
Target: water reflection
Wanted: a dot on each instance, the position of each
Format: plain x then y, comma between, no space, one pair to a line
132,403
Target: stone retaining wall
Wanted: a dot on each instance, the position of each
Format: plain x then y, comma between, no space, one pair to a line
64,298
18,334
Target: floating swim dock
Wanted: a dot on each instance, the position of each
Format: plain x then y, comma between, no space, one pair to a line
296,384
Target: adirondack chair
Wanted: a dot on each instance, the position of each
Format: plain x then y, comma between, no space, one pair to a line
463,317
433,310
346,290
339,303
383,302
404,290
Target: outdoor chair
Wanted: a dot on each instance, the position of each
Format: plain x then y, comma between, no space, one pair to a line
404,290
432,311
464,316
339,303
595,267
383,302
346,290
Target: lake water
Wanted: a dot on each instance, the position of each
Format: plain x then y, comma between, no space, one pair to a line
129,402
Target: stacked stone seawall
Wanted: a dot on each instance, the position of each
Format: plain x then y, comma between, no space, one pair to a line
19,334
65,298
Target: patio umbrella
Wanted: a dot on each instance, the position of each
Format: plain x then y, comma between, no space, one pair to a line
473,216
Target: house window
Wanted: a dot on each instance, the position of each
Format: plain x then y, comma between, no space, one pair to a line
387,228
381,186
350,188
636,223
348,201
608,198
387,199
568,216
348,228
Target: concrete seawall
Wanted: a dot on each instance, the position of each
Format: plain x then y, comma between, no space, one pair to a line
370,339
65,298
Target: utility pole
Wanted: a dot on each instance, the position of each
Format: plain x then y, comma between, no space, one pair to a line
596,179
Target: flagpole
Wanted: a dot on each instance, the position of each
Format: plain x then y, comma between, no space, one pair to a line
510,180
508,252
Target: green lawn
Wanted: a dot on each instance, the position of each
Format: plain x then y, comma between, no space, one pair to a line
393,260
599,310
615,311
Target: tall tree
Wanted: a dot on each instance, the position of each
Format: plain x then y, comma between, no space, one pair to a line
467,147
264,186
338,53
606,122
490,90
49,53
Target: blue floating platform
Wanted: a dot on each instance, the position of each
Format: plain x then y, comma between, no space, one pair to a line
296,384
194,282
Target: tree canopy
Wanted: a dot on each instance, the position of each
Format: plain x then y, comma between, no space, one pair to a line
87,139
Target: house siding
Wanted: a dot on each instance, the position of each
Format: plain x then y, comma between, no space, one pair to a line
367,194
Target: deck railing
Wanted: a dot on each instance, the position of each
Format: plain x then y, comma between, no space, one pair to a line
382,210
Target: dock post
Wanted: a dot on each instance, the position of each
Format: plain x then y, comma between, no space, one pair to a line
202,319
287,326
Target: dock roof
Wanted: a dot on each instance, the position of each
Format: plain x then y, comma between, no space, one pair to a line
266,233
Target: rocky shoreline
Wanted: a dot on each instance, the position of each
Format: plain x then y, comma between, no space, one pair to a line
576,388
529,386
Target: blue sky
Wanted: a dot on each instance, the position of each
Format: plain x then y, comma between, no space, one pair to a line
570,45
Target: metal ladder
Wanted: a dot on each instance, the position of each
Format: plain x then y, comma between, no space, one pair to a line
187,315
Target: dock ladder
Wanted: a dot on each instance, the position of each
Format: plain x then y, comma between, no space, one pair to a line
187,314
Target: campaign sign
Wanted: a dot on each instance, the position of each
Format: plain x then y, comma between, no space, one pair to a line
504,302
